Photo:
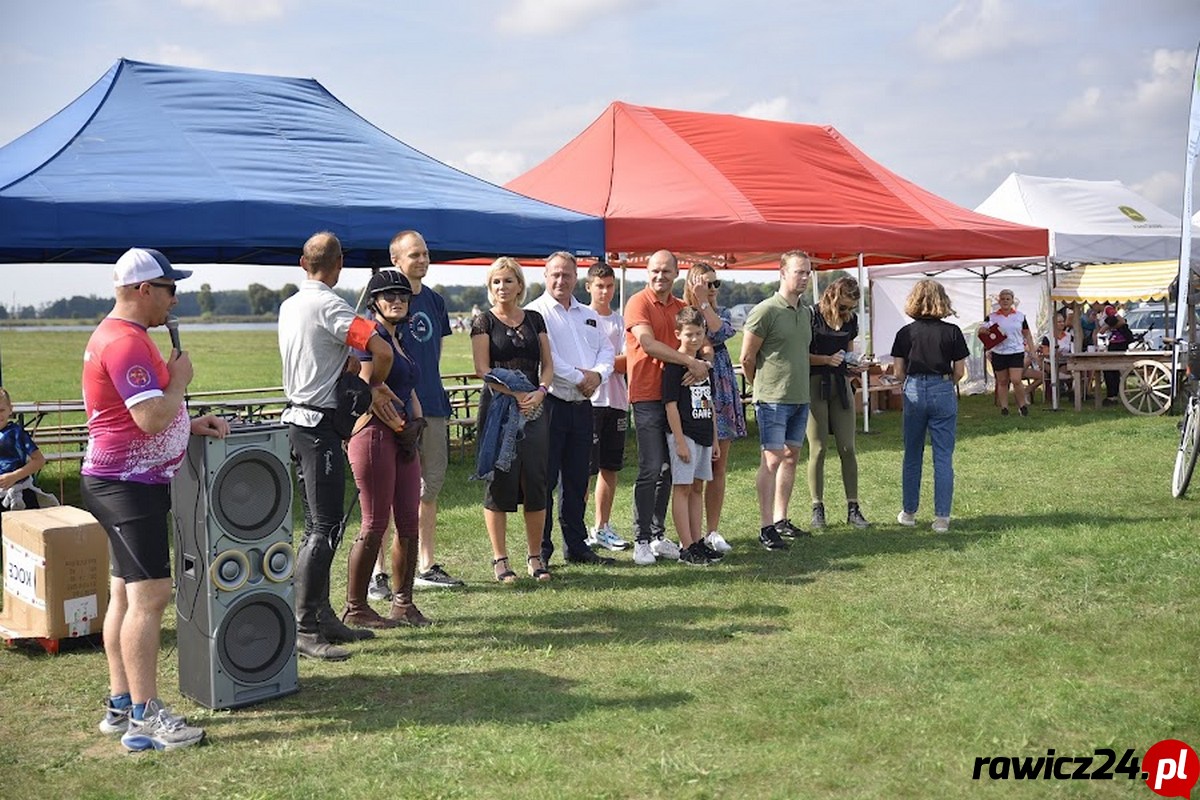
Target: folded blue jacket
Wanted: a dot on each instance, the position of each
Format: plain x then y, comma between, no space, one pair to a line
502,426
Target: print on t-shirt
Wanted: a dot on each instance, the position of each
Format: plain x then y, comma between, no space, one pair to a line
701,401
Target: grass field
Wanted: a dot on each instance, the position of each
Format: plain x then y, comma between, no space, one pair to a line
1060,613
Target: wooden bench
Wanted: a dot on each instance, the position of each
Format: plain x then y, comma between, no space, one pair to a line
464,412
62,442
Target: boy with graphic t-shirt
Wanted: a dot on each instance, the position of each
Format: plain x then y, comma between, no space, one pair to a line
692,430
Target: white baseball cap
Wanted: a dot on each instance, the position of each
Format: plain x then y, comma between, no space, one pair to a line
139,264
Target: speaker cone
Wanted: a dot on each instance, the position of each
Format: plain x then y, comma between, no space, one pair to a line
256,638
251,494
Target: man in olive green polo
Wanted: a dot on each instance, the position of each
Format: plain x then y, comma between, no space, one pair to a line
775,358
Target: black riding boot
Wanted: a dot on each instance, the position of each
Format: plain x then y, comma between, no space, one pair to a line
312,592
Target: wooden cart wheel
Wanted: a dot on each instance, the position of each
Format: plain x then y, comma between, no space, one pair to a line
1146,388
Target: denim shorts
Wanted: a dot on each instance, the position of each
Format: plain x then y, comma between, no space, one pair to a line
781,425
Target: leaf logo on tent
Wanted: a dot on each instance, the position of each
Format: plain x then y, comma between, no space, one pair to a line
1132,213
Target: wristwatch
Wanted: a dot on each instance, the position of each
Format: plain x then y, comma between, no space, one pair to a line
703,306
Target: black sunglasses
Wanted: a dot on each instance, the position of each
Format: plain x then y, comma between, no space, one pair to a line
170,287
715,284
394,295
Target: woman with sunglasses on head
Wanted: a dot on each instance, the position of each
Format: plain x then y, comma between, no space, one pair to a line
832,362
387,470
509,341
700,292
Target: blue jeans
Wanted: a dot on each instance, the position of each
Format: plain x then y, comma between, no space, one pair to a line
930,405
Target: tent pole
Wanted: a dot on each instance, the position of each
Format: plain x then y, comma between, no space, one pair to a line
624,262
863,325
1053,342
986,311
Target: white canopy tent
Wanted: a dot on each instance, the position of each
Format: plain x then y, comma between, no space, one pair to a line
1089,221
972,292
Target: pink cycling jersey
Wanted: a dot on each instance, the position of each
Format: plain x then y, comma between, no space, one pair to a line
121,368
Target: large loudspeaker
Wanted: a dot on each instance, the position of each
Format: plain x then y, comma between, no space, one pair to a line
232,506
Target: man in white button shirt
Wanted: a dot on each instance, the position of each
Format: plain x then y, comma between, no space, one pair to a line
583,360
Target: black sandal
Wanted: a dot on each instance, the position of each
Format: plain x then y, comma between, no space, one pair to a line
539,574
507,575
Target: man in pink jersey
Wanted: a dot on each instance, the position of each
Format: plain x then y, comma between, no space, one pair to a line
138,430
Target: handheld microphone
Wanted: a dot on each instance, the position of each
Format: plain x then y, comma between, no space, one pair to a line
173,330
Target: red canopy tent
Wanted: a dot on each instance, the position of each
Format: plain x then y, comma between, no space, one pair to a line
740,191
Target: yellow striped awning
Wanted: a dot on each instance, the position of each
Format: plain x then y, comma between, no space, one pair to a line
1143,280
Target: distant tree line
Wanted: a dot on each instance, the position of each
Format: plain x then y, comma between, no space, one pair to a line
257,300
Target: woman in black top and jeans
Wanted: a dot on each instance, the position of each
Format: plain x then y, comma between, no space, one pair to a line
930,358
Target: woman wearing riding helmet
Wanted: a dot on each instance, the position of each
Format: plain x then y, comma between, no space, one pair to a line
387,470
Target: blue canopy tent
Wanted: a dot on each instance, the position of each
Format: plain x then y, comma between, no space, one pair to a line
223,167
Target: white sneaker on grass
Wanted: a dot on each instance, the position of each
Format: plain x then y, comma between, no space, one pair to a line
717,542
643,554
906,519
159,729
606,537
380,588
941,524
665,548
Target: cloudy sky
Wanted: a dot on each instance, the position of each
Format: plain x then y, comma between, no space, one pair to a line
952,94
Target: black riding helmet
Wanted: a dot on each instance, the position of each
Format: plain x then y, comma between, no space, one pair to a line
387,280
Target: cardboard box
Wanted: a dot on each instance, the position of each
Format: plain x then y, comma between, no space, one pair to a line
55,574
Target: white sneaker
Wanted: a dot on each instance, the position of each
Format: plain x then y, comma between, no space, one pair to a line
665,548
941,524
380,588
160,730
607,538
717,542
906,519
643,554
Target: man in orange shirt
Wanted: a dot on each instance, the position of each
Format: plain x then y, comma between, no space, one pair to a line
650,342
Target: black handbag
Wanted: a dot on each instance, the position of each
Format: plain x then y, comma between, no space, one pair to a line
353,397
353,400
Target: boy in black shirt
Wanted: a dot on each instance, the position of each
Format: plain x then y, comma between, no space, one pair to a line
692,429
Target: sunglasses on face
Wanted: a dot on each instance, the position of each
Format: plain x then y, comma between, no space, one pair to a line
715,284
170,287
393,295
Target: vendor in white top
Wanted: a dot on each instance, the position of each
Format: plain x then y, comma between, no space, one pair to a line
1008,357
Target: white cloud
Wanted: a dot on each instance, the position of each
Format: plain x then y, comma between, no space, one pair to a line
497,166
1151,100
180,56
545,17
776,109
238,11
1163,188
998,165
974,28
1084,110
1169,81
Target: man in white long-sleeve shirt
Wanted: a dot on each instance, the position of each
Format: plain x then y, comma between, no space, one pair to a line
583,360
